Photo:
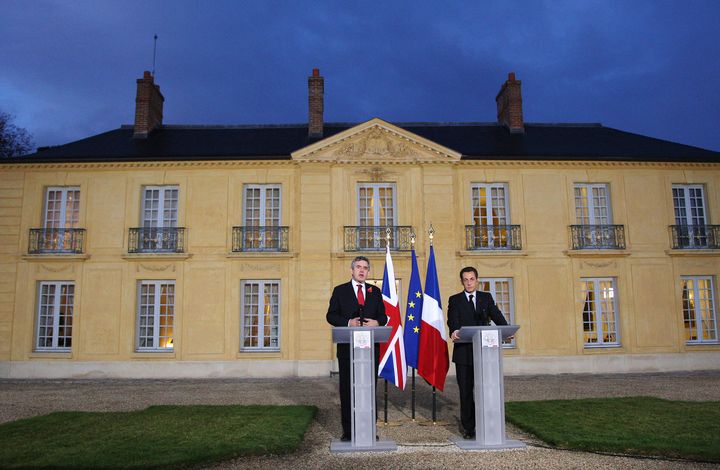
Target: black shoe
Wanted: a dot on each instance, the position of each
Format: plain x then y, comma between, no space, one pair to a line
468,435
345,437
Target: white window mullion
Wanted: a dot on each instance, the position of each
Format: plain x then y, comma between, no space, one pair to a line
156,316
56,316
150,321
592,204
260,315
51,311
502,291
600,312
377,208
698,309
689,202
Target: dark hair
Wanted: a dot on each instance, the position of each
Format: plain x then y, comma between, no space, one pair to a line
359,258
468,269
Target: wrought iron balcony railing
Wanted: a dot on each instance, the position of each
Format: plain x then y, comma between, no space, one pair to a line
56,240
493,237
156,240
695,237
260,239
371,238
597,237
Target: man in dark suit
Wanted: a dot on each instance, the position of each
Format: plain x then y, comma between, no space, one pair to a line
354,303
470,307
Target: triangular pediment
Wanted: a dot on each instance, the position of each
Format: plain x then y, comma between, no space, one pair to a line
376,141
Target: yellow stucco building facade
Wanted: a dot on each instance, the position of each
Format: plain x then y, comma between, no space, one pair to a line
211,266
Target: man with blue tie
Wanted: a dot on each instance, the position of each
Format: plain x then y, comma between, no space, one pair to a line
469,308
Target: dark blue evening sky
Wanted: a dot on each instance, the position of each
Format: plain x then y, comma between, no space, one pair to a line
645,66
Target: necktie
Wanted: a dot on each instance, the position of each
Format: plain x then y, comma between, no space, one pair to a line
360,296
472,304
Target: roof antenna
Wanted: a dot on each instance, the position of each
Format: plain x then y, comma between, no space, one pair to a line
154,51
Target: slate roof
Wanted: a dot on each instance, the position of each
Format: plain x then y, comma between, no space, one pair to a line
277,142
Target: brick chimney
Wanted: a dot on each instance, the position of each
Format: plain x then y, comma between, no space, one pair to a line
509,105
148,106
316,106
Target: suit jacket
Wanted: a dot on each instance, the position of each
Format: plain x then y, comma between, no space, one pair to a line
344,307
460,313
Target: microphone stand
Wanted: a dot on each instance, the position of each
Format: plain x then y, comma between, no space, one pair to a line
361,314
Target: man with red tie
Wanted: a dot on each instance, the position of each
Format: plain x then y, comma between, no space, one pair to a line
353,304
470,307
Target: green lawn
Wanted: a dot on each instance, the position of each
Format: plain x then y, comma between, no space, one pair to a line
635,425
158,437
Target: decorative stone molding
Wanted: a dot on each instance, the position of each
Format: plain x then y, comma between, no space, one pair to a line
596,253
590,264
58,268
376,141
262,255
146,267
260,267
691,253
155,256
45,257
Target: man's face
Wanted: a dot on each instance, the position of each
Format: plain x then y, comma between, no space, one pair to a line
360,271
469,281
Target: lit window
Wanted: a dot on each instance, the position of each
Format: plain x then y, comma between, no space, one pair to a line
260,316
261,217
592,204
599,313
376,211
155,315
698,309
502,291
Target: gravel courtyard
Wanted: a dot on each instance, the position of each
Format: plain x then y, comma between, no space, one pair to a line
420,443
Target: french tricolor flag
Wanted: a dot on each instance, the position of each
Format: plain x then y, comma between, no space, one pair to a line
392,353
433,359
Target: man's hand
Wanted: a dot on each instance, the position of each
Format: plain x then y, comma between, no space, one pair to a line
368,322
455,336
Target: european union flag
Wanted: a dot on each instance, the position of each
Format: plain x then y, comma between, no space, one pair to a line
413,315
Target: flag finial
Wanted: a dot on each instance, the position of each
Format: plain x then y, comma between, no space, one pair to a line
431,232
387,236
412,238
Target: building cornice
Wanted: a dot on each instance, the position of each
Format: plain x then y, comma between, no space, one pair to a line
500,163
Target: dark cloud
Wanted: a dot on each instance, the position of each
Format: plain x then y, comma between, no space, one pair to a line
646,66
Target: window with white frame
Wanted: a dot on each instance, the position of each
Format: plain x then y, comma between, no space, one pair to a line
54,316
260,315
376,210
155,315
261,216
689,204
62,214
62,208
592,204
698,309
489,204
160,206
490,216
501,289
600,313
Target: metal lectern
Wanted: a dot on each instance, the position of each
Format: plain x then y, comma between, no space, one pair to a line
362,388
489,391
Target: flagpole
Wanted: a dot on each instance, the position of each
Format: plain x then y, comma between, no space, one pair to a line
385,393
412,407
431,233
412,391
